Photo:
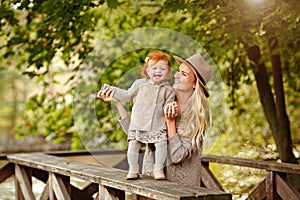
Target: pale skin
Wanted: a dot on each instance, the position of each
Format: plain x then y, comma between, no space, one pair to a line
184,84
158,72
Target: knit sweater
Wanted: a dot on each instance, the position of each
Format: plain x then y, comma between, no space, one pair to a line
149,101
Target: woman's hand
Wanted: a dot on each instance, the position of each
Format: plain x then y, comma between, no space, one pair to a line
106,94
172,111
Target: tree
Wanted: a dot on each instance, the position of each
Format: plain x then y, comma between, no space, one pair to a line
270,48
267,34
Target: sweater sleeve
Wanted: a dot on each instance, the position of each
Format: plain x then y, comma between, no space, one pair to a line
179,149
127,95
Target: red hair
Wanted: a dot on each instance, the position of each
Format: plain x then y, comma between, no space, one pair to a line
155,56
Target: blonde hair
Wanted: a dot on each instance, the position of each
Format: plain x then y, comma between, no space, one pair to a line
156,56
197,117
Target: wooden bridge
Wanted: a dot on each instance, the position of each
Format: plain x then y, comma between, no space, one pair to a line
110,183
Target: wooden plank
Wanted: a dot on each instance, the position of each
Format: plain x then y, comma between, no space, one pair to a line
114,178
58,186
105,194
258,164
51,189
270,189
24,182
45,193
259,193
208,179
285,190
18,192
6,171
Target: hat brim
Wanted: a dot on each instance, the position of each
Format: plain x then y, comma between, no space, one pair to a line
179,61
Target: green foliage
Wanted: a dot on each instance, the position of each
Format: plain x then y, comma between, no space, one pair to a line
46,117
40,28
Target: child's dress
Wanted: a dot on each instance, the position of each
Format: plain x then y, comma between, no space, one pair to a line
147,123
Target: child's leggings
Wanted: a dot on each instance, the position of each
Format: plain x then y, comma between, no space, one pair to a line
134,148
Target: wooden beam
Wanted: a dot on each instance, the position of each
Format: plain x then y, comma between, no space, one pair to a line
45,193
6,171
105,194
258,164
270,186
259,192
24,182
18,192
208,179
58,186
285,190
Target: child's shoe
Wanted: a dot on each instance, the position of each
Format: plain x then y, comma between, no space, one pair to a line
158,172
133,172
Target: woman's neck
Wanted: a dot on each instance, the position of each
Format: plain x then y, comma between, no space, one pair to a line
183,98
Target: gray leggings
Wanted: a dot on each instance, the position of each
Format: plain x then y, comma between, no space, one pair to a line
134,148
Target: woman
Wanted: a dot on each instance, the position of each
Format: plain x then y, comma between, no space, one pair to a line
187,120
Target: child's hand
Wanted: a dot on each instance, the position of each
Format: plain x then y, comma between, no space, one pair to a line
172,111
106,94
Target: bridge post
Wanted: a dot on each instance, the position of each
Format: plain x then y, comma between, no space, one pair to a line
23,183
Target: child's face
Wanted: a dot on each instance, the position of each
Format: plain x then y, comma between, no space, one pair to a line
158,71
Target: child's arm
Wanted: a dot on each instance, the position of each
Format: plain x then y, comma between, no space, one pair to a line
124,95
106,94
127,95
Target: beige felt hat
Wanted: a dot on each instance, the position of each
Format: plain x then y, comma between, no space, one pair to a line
203,70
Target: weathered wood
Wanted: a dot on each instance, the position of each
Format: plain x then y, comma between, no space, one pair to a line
258,164
115,178
18,192
208,179
285,190
6,171
45,193
259,192
58,186
270,190
105,194
24,182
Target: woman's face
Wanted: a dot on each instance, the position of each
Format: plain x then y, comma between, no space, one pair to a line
184,78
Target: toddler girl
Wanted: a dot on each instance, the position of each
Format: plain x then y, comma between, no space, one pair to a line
150,95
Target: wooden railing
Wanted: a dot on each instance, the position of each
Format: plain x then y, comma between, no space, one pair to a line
110,182
274,186
107,182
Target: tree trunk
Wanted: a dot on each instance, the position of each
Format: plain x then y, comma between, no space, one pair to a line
275,112
284,134
286,153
